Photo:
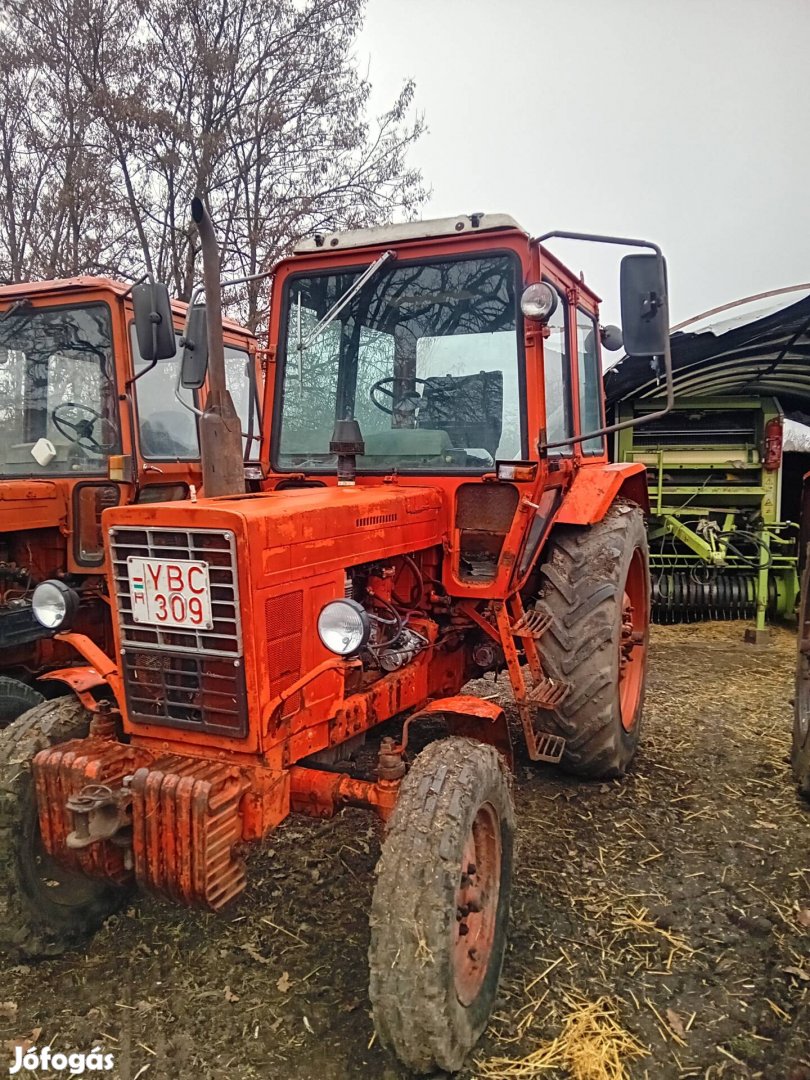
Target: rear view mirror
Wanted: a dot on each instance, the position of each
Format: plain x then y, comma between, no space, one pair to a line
152,308
645,311
194,365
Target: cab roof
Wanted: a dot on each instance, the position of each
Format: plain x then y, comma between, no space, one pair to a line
54,286
464,224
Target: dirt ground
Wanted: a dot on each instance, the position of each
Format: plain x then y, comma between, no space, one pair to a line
682,894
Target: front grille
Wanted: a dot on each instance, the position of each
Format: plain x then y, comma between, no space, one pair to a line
218,549
195,692
183,677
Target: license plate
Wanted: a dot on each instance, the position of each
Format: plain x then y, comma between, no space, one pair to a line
170,592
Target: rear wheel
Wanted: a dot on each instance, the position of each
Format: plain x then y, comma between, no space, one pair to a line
441,905
44,908
595,585
16,698
800,751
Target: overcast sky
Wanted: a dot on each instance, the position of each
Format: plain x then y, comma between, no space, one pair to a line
686,122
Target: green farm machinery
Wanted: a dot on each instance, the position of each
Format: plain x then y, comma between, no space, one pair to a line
721,543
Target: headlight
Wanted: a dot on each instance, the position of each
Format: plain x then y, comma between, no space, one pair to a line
538,301
343,627
54,604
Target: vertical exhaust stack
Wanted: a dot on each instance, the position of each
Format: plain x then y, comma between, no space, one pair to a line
223,471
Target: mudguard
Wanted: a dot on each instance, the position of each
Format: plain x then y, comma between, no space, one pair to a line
596,488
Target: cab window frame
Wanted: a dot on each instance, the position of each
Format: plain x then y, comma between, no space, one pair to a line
597,447
288,283
136,356
567,369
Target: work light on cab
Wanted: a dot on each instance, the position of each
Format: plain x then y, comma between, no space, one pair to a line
343,627
538,301
54,605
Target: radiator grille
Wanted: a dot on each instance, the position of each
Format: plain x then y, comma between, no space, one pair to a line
177,690
216,548
183,678
284,617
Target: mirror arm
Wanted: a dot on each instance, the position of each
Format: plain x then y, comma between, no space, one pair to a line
598,238
638,421
134,379
622,241
185,404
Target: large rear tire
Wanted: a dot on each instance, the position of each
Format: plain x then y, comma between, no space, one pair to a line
595,584
441,905
16,698
800,750
44,909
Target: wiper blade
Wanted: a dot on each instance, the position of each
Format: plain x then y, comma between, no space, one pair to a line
333,312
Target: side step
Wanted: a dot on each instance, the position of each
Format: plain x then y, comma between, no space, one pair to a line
548,694
532,624
549,747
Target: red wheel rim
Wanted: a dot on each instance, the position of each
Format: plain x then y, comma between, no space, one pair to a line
633,640
477,904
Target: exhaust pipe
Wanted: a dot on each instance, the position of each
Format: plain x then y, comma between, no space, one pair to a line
223,471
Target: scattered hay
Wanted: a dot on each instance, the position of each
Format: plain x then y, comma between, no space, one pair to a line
591,1046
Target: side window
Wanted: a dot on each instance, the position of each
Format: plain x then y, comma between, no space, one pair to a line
590,382
557,375
167,430
242,385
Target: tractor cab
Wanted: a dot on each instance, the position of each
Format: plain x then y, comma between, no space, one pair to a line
426,336
86,423
465,356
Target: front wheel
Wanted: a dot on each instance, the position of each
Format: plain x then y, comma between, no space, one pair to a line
441,905
16,698
44,908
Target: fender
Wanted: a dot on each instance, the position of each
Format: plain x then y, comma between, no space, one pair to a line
596,488
100,671
474,717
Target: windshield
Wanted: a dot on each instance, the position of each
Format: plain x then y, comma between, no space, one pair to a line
168,429
424,357
57,391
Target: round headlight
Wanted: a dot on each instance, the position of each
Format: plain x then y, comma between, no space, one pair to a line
343,627
54,604
538,301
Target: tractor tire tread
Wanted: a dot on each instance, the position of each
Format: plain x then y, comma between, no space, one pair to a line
24,931
410,917
581,590
16,698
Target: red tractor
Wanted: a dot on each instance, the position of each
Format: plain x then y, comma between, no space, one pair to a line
437,504
89,419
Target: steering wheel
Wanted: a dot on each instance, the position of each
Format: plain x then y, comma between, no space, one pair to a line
80,430
411,400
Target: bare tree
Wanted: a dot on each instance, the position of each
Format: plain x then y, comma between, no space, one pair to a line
113,117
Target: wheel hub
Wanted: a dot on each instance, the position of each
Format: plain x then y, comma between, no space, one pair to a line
477,904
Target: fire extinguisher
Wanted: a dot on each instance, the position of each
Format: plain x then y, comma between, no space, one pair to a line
772,448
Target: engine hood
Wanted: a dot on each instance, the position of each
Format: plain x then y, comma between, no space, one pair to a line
31,504
295,533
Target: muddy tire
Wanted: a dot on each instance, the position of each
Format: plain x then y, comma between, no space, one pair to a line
434,959
44,909
16,698
595,584
800,750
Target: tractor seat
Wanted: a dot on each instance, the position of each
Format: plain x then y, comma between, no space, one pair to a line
469,408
